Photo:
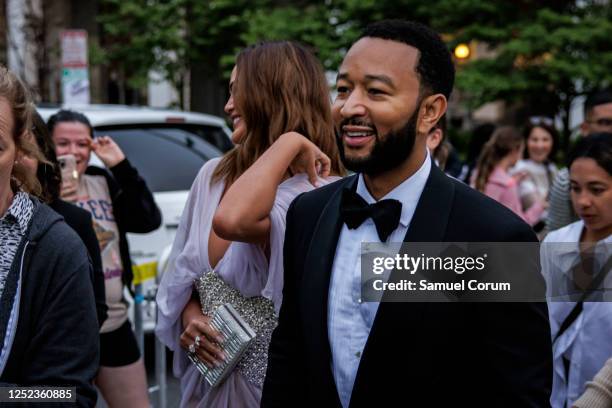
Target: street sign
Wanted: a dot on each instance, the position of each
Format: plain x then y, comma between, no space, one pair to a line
75,71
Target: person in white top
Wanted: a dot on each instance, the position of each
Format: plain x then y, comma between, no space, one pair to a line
537,170
576,261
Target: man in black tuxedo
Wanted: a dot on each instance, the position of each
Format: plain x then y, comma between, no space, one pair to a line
332,350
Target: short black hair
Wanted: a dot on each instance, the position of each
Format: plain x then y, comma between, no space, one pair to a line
598,147
435,66
66,115
596,98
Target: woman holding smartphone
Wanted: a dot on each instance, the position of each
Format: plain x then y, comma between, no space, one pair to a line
119,202
49,172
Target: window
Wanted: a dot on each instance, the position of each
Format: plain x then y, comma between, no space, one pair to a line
167,158
214,135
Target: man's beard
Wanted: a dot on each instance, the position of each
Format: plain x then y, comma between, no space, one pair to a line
387,153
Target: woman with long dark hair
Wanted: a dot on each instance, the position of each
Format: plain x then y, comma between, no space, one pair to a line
537,169
493,178
230,239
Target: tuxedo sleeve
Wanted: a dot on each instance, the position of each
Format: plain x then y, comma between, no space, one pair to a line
519,359
285,378
515,338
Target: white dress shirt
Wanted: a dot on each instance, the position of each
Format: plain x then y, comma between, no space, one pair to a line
350,320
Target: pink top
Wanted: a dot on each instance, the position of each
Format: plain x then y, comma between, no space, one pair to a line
504,188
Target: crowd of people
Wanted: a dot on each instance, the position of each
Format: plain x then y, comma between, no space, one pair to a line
275,227
65,256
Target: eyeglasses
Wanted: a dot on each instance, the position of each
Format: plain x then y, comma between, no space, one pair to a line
540,120
603,122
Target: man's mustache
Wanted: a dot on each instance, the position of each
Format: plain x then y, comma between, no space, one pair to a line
356,122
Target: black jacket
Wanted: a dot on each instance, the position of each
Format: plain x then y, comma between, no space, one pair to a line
133,207
55,341
417,354
80,221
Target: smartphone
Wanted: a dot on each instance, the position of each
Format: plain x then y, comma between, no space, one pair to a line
70,175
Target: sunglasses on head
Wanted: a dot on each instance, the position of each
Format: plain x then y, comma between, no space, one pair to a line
540,120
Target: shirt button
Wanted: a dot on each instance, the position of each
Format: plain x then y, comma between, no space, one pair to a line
358,354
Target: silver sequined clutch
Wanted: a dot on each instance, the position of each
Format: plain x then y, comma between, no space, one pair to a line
237,335
258,312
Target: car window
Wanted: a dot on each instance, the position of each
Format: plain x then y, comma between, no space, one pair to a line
167,158
214,135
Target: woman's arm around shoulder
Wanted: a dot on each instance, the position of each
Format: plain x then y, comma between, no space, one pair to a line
243,213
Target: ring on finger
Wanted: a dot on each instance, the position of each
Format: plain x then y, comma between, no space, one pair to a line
192,348
197,341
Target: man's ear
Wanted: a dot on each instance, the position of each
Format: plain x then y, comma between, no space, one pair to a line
434,138
431,110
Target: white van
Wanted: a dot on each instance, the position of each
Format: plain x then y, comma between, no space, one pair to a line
168,148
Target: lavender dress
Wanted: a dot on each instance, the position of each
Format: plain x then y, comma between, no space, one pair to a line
244,267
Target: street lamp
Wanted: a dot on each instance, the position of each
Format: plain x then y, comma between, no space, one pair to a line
462,51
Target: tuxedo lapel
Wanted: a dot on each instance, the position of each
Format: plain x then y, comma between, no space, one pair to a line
317,272
433,210
428,224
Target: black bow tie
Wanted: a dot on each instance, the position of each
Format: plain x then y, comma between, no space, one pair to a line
385,213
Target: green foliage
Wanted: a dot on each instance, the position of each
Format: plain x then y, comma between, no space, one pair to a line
543,60
214,31
549,54
539,53
141,35
309,25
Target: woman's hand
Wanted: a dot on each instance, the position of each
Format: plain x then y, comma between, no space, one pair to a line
197,325
108,151
244,211
309,159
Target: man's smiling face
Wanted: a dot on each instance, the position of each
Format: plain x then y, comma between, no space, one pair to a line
376,109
